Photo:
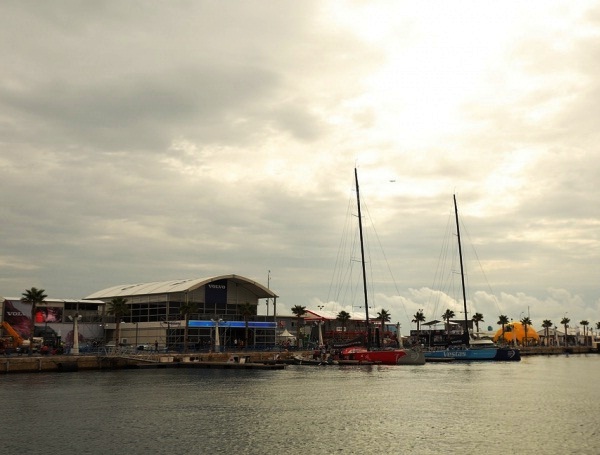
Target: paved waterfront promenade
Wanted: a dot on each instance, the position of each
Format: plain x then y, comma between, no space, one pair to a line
249,359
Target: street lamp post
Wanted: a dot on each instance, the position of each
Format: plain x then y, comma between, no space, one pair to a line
217,336
566,327
514,334
268,287
321,322
75,319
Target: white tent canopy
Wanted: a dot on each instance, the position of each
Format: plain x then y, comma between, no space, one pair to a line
286,334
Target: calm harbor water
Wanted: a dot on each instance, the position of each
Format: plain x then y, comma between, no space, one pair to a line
547,405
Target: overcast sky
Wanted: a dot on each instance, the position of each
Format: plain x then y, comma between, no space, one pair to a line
149,141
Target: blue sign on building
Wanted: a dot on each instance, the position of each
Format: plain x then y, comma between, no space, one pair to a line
232,324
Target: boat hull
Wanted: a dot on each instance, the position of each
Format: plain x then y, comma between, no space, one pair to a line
298,360
490,354
385,357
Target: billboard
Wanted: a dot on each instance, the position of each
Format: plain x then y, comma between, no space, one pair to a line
18,315
216,292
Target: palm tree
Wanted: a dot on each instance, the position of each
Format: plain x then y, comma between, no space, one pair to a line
34,297
343,317
186,309
246,310
298,311
526,323
477,318
565,322
418,318
502,320
546,325
118,308
384,317
584,323
448,314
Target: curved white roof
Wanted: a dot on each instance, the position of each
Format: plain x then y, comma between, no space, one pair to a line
164,287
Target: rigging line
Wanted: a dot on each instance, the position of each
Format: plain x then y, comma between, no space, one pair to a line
343,289
337,278
489,287
466,273
455,288
350,284
353,286
368,259
387,263
437,286
368,252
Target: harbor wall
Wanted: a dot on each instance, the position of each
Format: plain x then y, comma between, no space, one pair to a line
70,363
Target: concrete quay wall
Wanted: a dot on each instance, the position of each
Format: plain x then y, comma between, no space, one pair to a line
57,363
556,350
70,363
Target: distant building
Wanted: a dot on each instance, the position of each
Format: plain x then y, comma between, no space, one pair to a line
324,327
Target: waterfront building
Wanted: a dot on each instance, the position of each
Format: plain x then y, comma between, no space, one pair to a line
225,313
220,320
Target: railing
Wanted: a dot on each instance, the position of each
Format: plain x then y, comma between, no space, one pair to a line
130,352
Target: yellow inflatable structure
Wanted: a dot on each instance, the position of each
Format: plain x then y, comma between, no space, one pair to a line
516,331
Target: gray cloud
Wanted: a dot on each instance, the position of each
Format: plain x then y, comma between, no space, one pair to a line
142,142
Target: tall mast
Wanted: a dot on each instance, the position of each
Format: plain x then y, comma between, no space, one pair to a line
462,275
362,257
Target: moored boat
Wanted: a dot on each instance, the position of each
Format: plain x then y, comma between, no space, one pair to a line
470,353
476,349
384,356
368,354
301,360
